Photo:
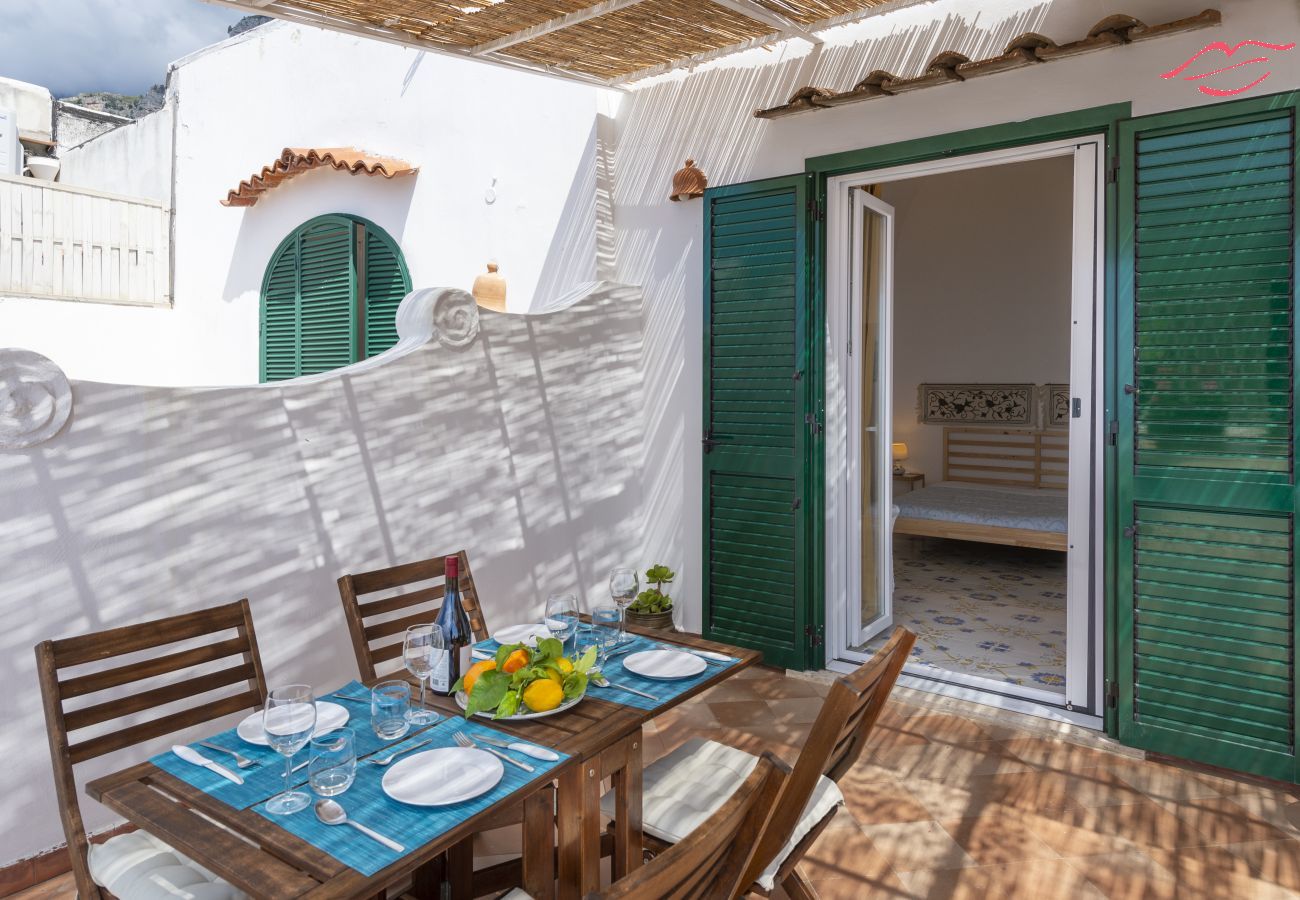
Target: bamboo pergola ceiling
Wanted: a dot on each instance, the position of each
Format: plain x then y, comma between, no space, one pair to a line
611,42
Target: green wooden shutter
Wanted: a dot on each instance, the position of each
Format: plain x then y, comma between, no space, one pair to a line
280,316
386,284
755,584
1206,449
326,295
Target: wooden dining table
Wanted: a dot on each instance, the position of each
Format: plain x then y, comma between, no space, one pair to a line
561,810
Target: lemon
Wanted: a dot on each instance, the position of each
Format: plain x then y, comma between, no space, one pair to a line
543,695
565,666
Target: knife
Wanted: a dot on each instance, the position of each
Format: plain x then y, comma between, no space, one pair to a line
526,749
190,755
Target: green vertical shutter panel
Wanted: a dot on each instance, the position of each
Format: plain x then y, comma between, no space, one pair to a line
1207,450
280,316
386,285
755,590
326,295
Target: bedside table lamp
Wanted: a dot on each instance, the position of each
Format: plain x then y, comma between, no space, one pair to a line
900,453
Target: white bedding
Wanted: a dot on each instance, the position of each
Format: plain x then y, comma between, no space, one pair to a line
1035,509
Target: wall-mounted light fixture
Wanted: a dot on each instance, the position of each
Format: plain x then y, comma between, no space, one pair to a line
490,289
688,182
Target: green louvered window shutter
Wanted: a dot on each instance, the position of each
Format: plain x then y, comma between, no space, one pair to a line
1206,485
386,283
330,297
756,439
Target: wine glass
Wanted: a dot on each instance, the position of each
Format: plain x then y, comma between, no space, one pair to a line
623,587
422,644
289,720
562,616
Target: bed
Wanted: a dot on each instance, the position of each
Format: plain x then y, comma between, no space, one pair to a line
999,487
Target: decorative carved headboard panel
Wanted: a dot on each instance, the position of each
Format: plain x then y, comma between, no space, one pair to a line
1006,458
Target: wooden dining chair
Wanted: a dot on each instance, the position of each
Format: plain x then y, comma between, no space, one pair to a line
712,862
684,786
185,677
375,641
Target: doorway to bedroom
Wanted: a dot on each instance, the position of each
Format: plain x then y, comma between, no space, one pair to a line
962,433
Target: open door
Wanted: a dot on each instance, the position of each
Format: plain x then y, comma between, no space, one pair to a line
870,427
759,425
1205,478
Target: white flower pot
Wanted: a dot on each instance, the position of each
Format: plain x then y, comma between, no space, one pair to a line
43,167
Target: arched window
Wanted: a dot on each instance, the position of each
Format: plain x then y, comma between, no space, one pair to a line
330,297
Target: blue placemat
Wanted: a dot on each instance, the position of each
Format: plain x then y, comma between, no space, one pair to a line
411,826
614,672
266,779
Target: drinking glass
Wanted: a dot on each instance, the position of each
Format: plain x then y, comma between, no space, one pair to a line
562,616
418,652
333,765
623,587
604,627
289,720
390,701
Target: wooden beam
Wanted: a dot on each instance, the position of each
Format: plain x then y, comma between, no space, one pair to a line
556,24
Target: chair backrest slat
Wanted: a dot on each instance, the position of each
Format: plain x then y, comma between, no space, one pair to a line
368,636
104,715
711,862
843,725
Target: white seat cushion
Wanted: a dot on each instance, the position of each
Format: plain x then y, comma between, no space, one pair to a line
138,866
687,786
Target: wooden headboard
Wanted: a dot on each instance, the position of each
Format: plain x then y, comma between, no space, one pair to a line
1007,458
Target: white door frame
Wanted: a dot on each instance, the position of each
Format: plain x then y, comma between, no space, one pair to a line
859,204
1084,608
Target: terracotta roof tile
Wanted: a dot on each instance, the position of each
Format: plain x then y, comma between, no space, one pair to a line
296,160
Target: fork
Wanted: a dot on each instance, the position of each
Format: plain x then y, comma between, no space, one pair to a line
385,760
463,739
241,761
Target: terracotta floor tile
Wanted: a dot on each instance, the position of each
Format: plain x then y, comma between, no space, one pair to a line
892,736
1222,821
885,885
950,762
881,802
944,800
779,688
917,845
840,853
61,888
997,837
1278,808
1061,756
945,728
1216,872
1034,879
1276,862
1128,876
797,710
1094,830
1164,782
741,713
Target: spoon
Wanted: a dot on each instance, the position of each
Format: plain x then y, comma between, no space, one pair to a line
331,813
600,680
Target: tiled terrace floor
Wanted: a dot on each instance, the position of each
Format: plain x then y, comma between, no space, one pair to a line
955,804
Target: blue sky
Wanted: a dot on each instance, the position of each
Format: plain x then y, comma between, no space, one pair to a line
71,46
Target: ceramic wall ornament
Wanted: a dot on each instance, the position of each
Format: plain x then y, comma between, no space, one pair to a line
689,182
490,289
35,399
455,318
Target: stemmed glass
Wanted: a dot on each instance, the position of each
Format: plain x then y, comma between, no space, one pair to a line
562,616
289,720
421,645
623,588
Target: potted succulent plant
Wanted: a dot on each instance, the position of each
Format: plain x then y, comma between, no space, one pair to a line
653,608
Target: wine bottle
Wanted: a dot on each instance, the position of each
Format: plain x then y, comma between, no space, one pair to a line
453,661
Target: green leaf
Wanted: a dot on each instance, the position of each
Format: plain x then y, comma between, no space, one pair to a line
488,691
459,685
659,574
575,685
586,661
508,705
548,648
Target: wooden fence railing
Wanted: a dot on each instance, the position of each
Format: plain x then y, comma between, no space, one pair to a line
71,243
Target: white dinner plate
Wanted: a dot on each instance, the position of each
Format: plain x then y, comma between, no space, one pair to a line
442,777
664,665
529,633
328,717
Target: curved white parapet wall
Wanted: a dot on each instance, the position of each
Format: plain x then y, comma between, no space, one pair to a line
35,399
520,439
